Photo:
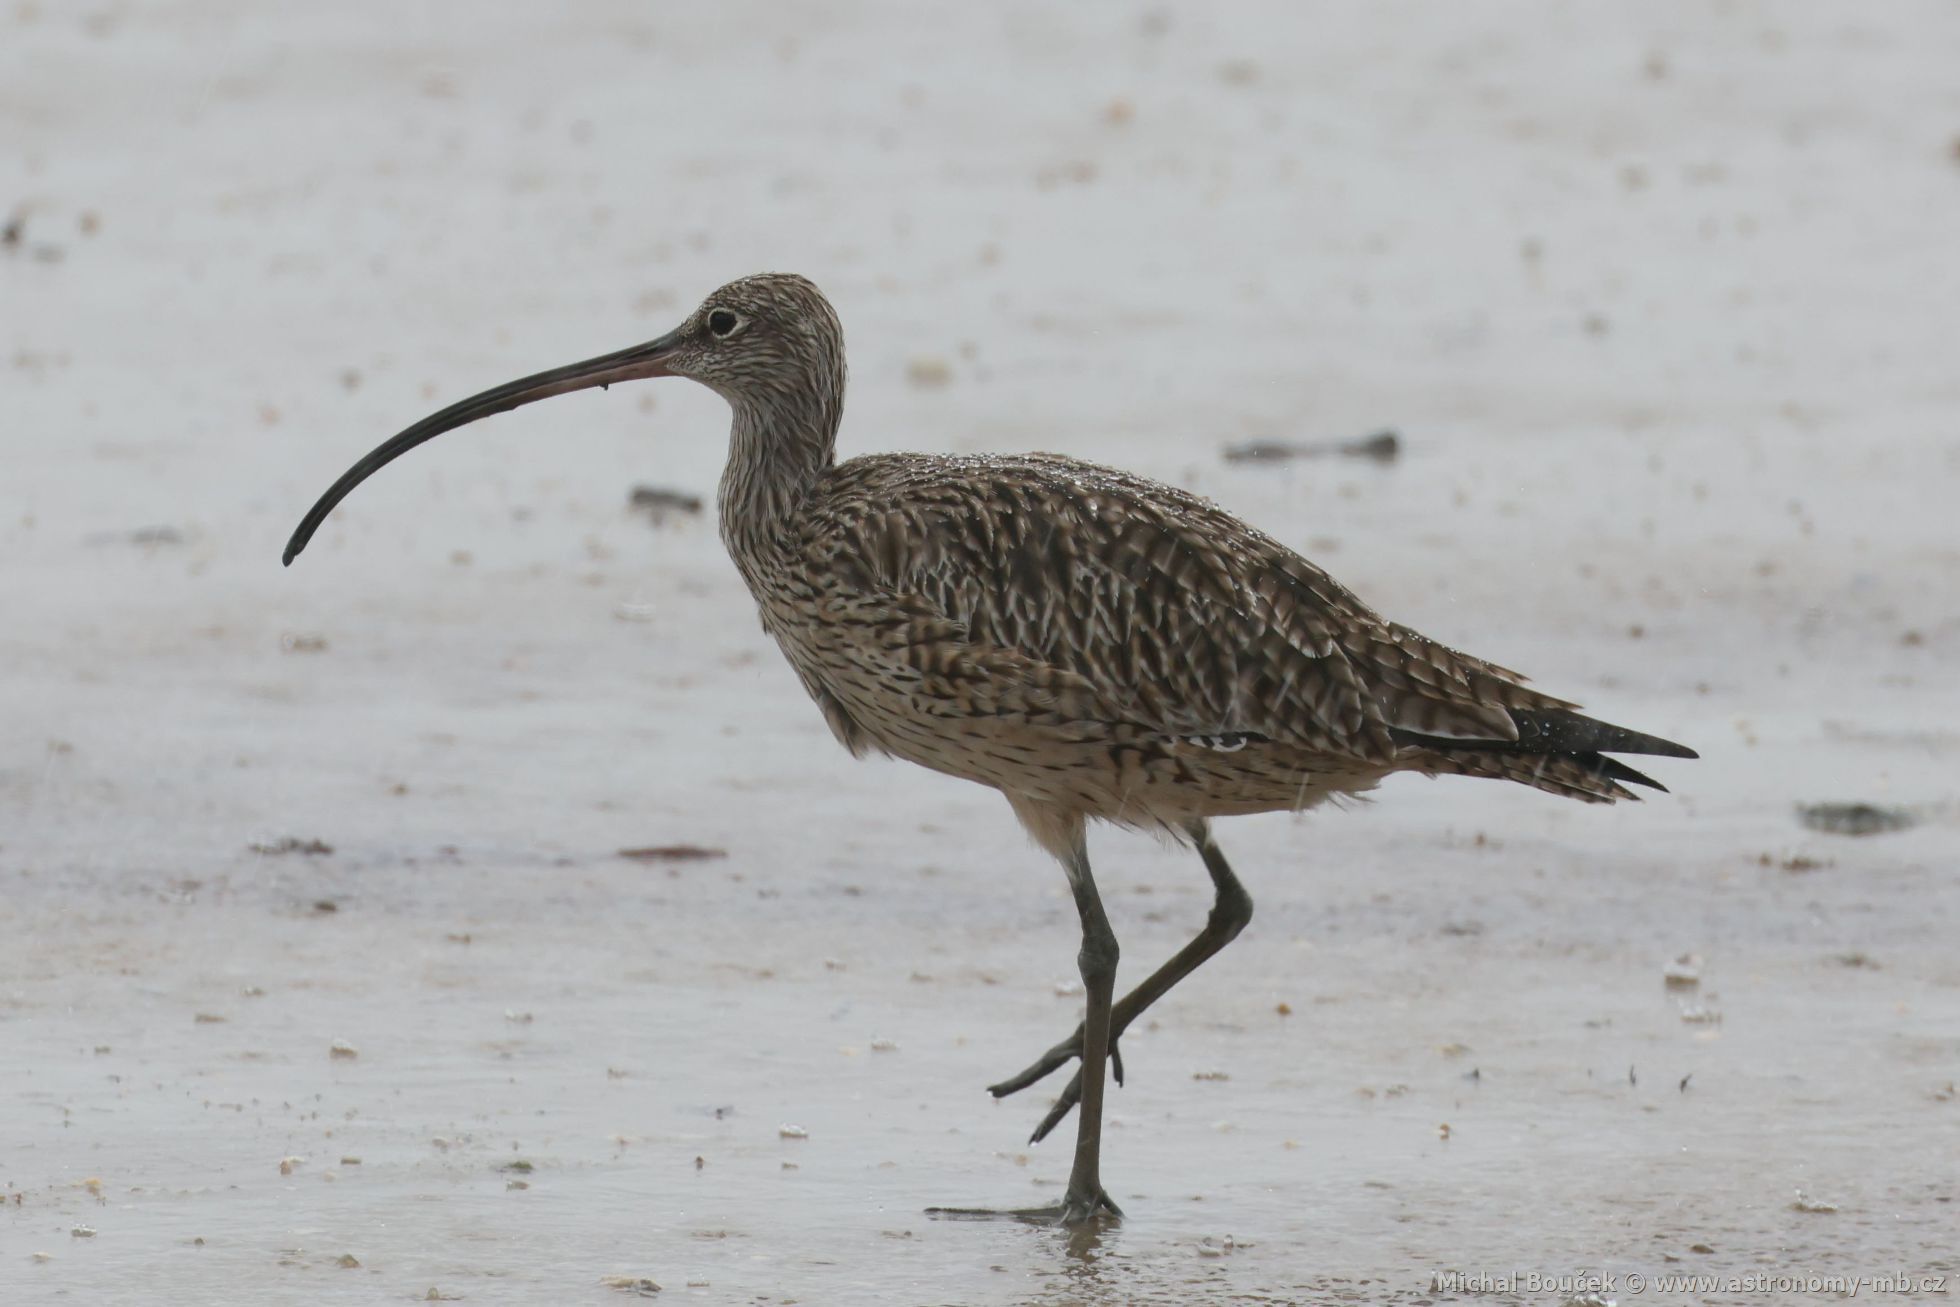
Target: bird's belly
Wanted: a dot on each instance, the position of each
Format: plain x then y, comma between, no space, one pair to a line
1114,771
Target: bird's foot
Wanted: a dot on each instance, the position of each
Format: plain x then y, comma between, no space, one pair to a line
1078,1211
1055,1058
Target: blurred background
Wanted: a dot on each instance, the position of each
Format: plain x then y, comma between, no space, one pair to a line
1658,300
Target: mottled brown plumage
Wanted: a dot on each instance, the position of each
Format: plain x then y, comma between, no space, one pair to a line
1090,643
1096,641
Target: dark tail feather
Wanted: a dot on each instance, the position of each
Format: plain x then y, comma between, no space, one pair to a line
1556,750
1613,769
1559,731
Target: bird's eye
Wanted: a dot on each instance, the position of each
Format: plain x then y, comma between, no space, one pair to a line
723,323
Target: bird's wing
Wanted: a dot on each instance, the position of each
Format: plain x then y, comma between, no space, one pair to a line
1156,605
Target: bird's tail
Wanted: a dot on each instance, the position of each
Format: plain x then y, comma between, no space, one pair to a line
1558,751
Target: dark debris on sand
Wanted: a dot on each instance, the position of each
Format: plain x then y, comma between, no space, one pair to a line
1855,818
1383,446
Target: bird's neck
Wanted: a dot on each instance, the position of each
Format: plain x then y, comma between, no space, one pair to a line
777,451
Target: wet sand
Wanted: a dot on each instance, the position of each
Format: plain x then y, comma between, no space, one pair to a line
1660,305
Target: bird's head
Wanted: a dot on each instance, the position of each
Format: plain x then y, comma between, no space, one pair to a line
770,345
756,339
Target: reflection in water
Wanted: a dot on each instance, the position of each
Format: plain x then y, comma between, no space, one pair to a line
1083,1259
1085,1267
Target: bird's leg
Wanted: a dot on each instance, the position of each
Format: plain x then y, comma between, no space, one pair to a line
1085,1202
1085,1198
1231,909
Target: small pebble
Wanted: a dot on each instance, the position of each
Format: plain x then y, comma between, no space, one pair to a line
659,502
1238,72
929,373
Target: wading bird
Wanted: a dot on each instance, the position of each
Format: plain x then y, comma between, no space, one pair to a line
1090,643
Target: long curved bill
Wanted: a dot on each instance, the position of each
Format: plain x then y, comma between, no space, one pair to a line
648,360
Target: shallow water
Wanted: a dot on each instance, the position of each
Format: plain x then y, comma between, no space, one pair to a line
569,1073
1667,352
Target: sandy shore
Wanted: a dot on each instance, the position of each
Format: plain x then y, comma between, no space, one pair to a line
1661,301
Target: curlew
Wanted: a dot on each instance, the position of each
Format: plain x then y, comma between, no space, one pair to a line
1092,644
